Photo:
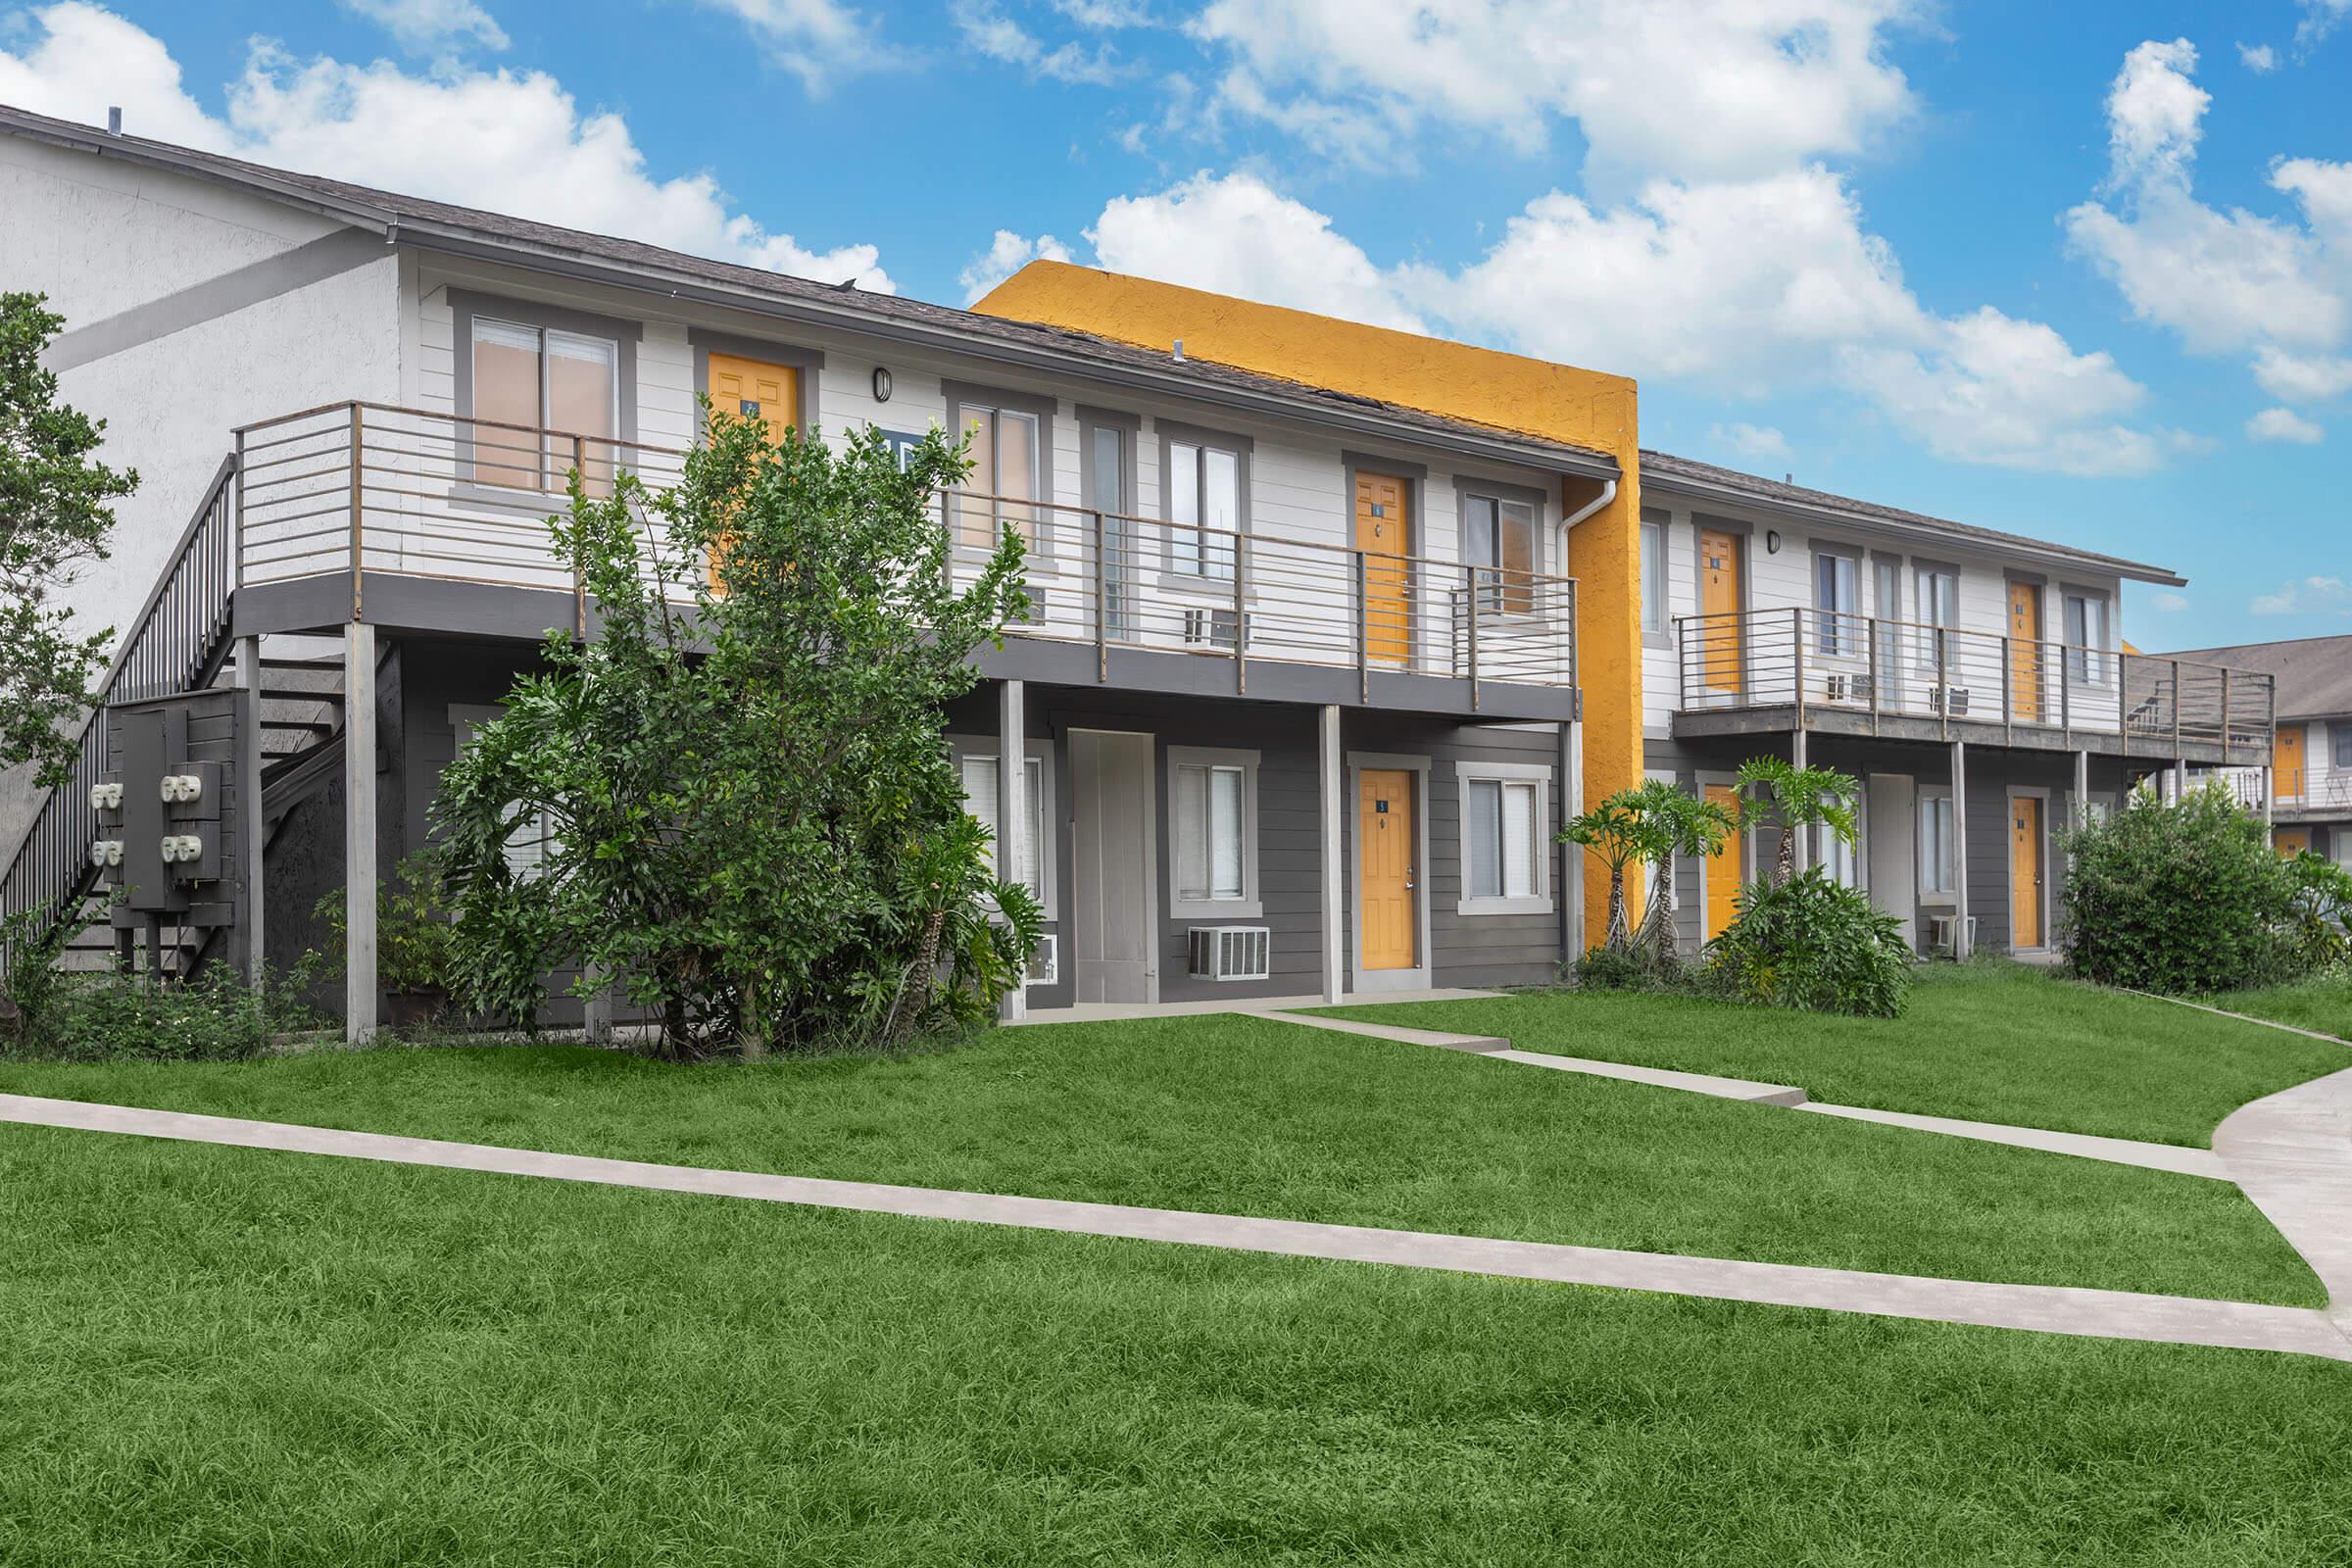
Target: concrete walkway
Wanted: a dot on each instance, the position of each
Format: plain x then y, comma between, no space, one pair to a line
2116,1150
2291,1153
2106,1315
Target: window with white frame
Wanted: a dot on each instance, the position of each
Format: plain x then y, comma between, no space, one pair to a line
2086,638
531,836
1212,802
1008,468
2339,739
1937,611
980,784
1937,872
1654,572
542,379
1500,536
1505,827
1837,596
1841,859
1204,501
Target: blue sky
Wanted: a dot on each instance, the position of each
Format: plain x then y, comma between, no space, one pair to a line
2083,271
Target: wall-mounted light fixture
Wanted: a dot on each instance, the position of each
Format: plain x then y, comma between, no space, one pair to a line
881,383
1771,541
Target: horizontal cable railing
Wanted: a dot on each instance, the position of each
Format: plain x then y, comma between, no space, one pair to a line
367,488
1828,660
176,643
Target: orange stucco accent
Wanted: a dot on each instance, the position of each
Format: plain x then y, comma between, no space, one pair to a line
1556,401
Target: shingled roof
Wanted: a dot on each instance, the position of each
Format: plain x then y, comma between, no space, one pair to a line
1664,474
2314,673
441,226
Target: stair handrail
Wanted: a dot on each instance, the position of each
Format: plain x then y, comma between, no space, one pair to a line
50,868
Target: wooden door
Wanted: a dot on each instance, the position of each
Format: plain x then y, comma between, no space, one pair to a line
1111,921
1722,643
2288,841
1386,836
2025,872
752,389
2024,651
1724,868
2286,762
1384,533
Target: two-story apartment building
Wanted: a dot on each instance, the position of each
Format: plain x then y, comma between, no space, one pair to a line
1295,711
1331,627
1974,680
2309,783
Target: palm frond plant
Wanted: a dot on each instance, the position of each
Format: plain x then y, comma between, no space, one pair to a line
1792,799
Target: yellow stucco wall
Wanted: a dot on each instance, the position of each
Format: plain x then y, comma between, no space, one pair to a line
1556,401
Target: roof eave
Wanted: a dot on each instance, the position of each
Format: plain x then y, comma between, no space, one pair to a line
1696,489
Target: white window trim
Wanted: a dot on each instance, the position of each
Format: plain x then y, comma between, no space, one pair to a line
1465,774
1657,614
1928,892
1249,906
961,747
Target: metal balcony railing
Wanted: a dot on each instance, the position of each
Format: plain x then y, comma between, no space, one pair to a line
362,488
1816,661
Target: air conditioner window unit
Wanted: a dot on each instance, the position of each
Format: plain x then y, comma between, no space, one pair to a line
1951,700
1230,952
1212,628
1939,933
1044,963
1845,688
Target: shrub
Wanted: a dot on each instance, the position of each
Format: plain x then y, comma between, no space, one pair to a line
123,1017
1644,968
1814,944
2183,897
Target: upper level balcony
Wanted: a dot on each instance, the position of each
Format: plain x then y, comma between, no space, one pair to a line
1795,668
435,523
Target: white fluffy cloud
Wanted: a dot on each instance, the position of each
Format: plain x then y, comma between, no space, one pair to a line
2285,425
2320,19
2169,601
2258,58
429,26
984,25
2307,596
817,40
1007,255
1750,440
513,142
1238,235
1742,287
1703,88
2227,281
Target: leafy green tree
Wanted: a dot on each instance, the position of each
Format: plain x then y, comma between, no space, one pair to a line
56,510
1814,944
751,824
1675,823
1792,799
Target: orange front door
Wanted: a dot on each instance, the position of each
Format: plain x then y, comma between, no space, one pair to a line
752,389
2291,840
1385,838
1723,869
2025,871
2286,762
2024,651
1720,653
1384,533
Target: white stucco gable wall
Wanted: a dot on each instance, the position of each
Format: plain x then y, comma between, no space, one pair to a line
191,308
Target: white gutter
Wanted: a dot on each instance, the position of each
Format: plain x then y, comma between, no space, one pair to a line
1608,493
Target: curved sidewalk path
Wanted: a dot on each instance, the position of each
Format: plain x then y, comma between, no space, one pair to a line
2291,1153
2053,1310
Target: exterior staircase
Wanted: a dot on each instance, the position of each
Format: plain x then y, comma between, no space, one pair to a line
180,642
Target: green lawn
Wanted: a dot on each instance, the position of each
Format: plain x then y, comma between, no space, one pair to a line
1991,1041
2323,1003
1252,1116
224,1357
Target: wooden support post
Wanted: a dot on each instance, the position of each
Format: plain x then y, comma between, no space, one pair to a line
359,831
250,946
1012,810
1331,799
